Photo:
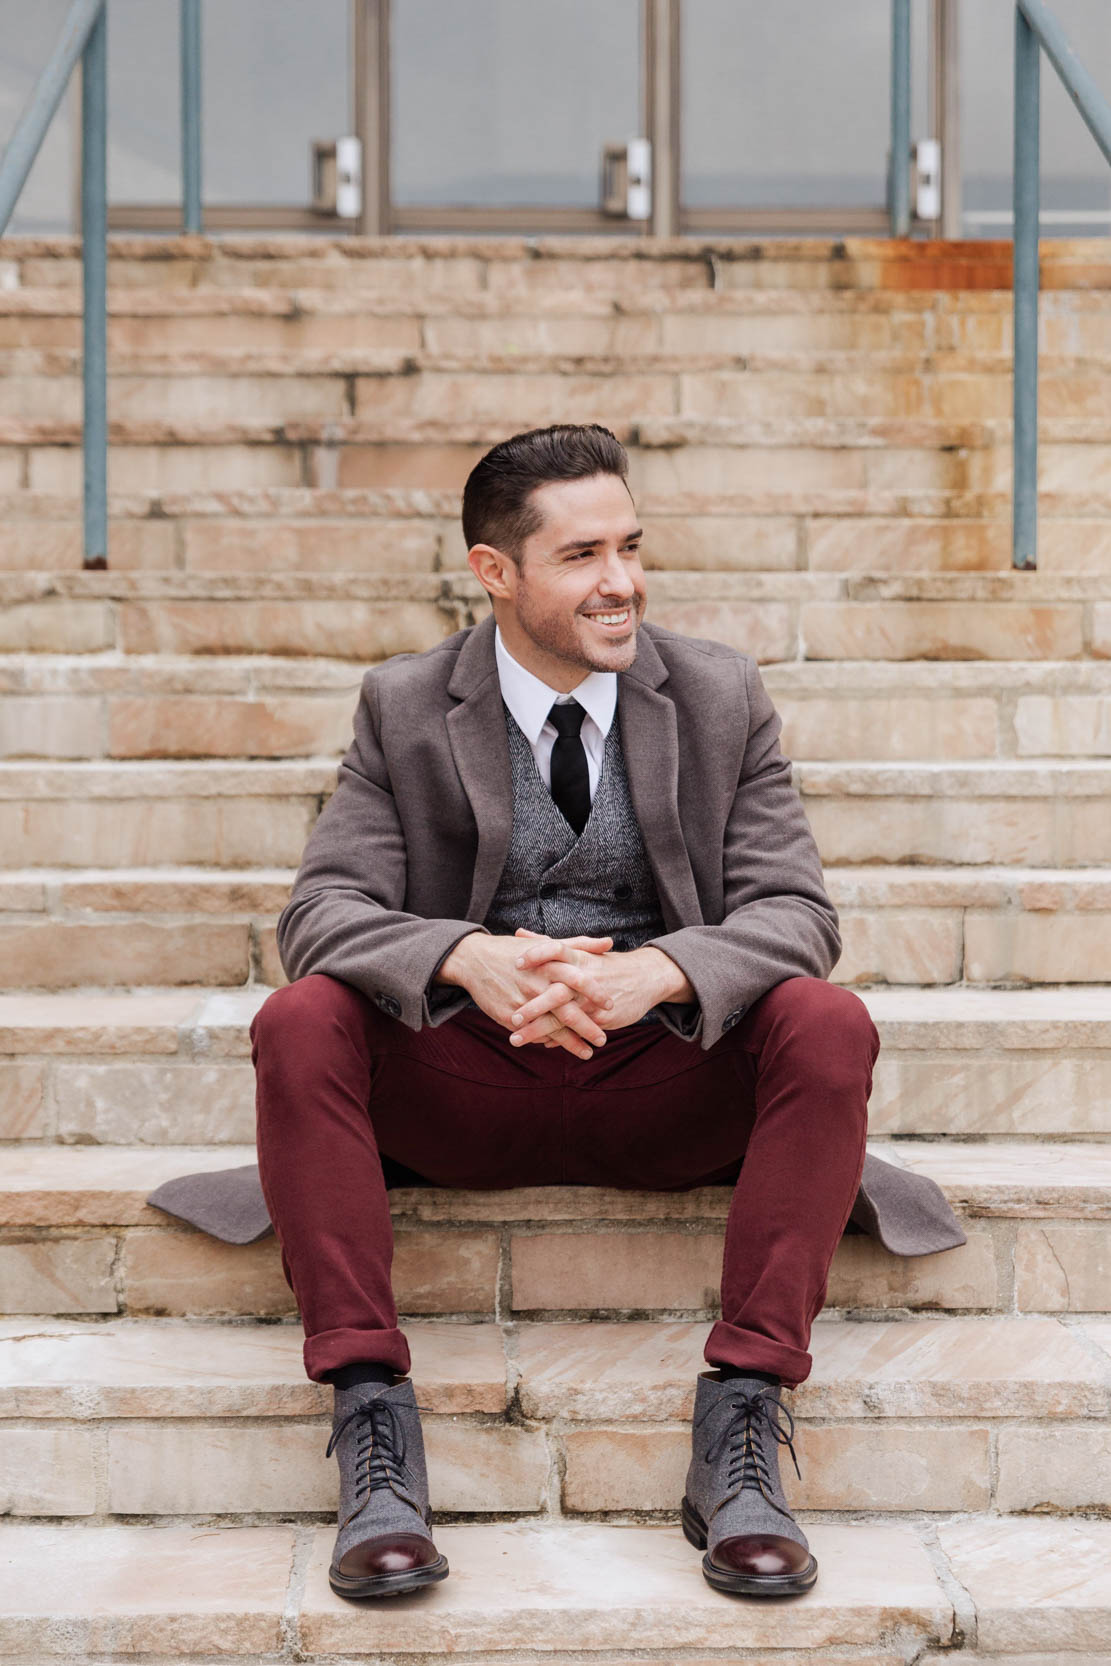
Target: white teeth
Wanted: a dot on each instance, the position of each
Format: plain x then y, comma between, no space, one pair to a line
610,618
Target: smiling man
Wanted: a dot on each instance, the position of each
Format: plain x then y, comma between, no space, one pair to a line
563,923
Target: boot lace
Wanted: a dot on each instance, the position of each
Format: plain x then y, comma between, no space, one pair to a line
752,1418
379,1451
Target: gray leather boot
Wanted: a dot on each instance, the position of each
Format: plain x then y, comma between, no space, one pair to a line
384,1546
734,1507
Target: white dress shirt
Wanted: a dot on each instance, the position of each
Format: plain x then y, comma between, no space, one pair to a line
530,700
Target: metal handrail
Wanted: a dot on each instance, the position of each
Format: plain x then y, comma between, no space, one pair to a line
85,35
1036,30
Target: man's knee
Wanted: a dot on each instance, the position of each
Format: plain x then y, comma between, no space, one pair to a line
300,1007
832,1023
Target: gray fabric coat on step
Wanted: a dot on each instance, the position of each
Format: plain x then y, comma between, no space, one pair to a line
407,855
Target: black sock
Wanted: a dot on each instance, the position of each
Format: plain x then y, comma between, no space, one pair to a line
746,1371
348,1376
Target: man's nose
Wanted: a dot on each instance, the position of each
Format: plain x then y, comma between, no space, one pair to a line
618,578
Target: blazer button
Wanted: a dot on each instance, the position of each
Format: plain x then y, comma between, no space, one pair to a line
732,1018
548,891
389,1004
622,892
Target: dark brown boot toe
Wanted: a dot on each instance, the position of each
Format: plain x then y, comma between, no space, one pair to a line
761,1555
389,1553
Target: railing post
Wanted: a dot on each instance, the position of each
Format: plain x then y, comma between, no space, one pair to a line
899,185
191,114
1024,515
94,268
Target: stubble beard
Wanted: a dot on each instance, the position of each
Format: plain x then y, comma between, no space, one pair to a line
557,636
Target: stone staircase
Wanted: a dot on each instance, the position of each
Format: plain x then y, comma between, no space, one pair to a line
819,447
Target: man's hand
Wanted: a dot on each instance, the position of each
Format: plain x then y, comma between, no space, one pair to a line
489,968
634,982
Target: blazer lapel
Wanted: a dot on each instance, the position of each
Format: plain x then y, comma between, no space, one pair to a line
480,747
650,740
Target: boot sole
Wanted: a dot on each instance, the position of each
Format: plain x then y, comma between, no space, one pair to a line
744,1584
387,1584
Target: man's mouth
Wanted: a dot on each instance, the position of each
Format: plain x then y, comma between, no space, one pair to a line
613,621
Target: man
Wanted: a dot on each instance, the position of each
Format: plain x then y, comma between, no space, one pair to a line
563,922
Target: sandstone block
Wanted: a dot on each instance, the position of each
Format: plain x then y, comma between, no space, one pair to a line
899,946
1063,725
47,1472
865,1275
56,954
60,625
941,630
633,1270
136,1590
1054,1469
1038,948
24,1113
190,1273
268,546
196,727
897,729
151,1104
1035,1584
135,832
879,545
41,727
57,1275
158,469
1062,1267
363,631
1045,1092
440,1271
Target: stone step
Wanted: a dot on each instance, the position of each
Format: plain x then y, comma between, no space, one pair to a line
229,813
973,1414
118,705
775,616
532,1591
108,1068
611,262
291,529
70,928
668,454
78,1238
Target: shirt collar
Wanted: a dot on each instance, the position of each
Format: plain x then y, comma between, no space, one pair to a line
530,699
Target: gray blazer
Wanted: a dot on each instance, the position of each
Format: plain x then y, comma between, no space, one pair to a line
406,856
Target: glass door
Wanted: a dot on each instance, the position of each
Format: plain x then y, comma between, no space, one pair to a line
786,114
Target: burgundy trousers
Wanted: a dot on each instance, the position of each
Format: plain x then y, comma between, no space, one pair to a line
777,1108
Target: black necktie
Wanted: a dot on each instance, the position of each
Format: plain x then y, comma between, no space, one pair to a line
570,777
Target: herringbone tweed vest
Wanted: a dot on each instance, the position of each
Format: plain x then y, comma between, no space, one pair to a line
598,883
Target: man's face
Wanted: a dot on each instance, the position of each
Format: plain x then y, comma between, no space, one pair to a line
575,603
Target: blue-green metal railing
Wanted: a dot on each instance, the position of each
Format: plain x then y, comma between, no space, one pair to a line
1036,30
899,180
85,36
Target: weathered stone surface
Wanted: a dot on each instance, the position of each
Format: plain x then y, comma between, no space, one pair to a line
58,1275
345,630
1035,1584
52,954
199,1468
1063,725
194,727
47,1472
1040,1092
135,1590
863,1274
164,1368
575,1270
166,1272
906,728
542,1583
1042,948
94,1023
1062,1267
24,1113
131,1103
1054,1469
900,946
939,630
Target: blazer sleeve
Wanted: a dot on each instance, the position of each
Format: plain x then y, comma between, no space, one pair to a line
779,922
345,914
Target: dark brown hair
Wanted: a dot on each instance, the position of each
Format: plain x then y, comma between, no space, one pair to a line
497,508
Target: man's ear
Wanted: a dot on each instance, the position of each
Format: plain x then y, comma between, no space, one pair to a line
490,567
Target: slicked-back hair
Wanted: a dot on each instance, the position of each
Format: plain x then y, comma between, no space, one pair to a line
498,507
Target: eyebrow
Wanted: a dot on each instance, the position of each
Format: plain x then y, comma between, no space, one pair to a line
592,543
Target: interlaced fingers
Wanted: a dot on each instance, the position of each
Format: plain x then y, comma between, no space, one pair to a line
743,1433
379,1451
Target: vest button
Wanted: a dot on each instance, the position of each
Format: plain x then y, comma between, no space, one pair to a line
623,891
548,891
